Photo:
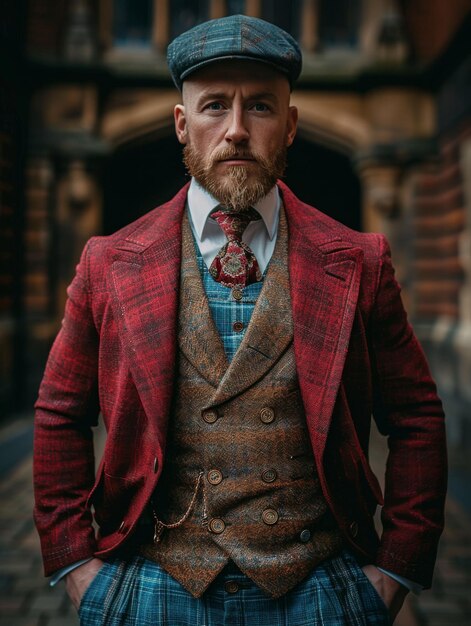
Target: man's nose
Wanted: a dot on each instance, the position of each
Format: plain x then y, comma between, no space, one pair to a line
237,131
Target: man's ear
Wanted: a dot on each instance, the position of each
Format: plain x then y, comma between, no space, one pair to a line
180,123
291,125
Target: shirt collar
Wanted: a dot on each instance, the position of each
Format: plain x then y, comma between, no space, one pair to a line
201,203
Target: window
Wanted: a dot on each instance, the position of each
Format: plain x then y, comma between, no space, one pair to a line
132,23
186,13
339,23
235,7
286,15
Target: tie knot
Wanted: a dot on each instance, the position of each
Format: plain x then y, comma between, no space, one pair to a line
233,223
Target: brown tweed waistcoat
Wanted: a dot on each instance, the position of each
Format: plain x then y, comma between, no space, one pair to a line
239,481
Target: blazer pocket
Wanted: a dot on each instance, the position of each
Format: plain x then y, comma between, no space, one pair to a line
361,484
113,495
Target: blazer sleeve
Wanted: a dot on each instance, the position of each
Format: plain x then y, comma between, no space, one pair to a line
408,410
66,409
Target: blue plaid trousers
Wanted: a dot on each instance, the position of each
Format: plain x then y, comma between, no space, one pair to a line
137,592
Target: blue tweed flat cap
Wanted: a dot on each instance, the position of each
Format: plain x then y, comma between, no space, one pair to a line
233,37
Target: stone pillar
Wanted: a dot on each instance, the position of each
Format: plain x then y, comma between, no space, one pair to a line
161,25
217,8
383,212
310,25
77,218
105,24
380,196
253,8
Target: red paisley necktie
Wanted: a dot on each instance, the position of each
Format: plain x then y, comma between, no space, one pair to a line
235,264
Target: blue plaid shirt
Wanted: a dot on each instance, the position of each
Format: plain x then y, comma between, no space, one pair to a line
230,316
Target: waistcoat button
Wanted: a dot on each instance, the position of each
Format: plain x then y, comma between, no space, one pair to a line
217,525
237,293
269,476
210,416
304,535
267,415
155,465
214,477
231,586
238,326
270,516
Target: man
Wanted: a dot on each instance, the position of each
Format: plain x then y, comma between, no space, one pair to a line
236,342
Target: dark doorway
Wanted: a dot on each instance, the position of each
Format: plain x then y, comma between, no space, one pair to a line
142,175
139,177
325,179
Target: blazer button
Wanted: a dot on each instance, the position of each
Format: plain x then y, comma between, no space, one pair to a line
269,476
304,535
210,416
217,525
214,477
267,415
155,465
270,516
353,529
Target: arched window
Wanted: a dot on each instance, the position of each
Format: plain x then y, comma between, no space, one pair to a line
132,23
339,23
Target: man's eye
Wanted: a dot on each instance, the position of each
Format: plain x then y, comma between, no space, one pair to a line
260,107
215,106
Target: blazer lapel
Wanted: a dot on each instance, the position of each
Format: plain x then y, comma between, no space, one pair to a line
325,275
198,337
144,290
270,330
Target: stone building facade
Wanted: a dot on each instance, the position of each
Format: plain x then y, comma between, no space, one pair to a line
87,145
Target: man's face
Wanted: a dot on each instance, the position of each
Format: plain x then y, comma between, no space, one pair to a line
236,124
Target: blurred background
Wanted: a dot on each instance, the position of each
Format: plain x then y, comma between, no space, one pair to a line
87,145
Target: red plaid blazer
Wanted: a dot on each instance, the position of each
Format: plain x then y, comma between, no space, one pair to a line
356,356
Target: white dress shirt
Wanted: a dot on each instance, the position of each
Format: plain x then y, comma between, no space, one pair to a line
260,236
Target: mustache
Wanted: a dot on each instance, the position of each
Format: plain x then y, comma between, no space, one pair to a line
231,153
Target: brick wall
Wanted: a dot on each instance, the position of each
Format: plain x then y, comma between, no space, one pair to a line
439,220
441,244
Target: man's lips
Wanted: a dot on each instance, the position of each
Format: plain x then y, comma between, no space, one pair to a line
237,159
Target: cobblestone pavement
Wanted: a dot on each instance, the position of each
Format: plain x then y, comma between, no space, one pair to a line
27,600
25,596
449,601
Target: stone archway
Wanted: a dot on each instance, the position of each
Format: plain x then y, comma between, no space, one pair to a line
140,175
359,143
145,173
144,167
